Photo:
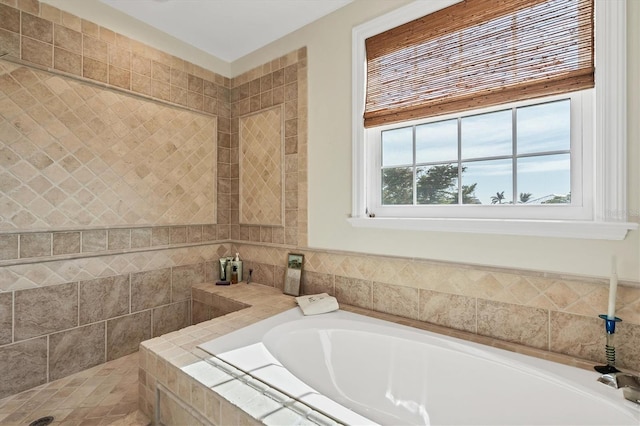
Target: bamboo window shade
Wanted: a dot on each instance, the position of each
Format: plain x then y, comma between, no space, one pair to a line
478,53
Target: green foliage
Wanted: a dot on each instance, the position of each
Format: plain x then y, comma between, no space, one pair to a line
559,199
498,198
435,185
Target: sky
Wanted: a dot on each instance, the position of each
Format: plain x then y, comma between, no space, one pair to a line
542,129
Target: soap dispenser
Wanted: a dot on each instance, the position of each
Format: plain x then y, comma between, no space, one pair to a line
236,265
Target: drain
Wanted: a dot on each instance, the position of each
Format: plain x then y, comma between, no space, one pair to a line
43,421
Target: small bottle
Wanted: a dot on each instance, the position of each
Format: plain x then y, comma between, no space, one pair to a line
234,275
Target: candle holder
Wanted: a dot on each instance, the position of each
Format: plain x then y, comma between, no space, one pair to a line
610,347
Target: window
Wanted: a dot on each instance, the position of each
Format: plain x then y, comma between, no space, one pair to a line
518,155
408,180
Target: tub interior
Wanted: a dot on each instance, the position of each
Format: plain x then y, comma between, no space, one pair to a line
366,371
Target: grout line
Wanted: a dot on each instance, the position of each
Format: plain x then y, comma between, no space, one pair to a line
13,317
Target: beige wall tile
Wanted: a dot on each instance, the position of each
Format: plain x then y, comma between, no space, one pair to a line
396,300
160,72
124,334
103,298
37,244
140,84
68,356
627,343
95,70
23,366
66,243
160,236
37,52
178,235
209,233
200,312
150,289
449,310
6,318
36,28
10,43
194,234
9,19
94,241
141,237
578,336
353,291
45,310
171,318
95,49
160,90
514,323
179,78
120,57
66,61
140,65
119,77
316,283
183,278
90,28
9,247
119,239
71,21
67,38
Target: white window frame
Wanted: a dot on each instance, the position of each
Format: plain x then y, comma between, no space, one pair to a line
582,204
607,183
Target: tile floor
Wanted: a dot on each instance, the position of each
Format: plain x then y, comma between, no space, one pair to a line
106,394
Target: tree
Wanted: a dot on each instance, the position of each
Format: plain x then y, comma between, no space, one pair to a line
438,185
497,199
435,185
468,194
397,186
525,197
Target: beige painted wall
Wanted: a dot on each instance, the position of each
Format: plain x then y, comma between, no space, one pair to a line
329,72
329,52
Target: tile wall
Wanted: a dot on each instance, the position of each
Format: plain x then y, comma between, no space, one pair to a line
110,152
545,311
270,99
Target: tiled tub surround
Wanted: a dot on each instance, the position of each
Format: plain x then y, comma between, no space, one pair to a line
193,390
545,311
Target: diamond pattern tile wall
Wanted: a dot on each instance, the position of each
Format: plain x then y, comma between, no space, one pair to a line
261,168
74,154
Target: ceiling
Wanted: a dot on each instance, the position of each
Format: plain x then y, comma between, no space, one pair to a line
227,29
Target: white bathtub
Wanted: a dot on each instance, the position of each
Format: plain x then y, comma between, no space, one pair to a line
361,370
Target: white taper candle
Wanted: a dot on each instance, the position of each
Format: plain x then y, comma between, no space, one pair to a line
613,289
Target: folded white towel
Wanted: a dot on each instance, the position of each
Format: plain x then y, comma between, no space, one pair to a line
317,304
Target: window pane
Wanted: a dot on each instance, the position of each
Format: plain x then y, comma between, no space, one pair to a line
397,186
437,184
487,135
544,179
437,142
491,181
397,147
544,127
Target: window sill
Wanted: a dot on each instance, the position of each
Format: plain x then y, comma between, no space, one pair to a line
539,228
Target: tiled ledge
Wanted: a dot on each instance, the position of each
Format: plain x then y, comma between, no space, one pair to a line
35,247
169,361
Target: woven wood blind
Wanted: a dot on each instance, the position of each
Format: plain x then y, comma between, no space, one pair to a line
479,53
